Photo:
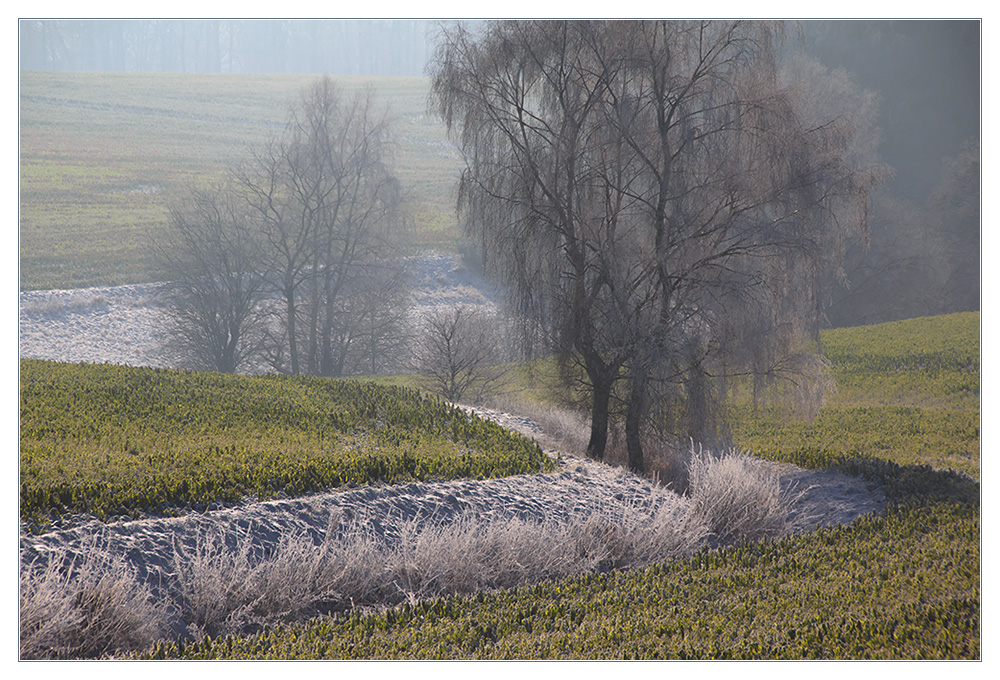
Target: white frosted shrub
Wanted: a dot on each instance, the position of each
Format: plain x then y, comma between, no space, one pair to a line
737,497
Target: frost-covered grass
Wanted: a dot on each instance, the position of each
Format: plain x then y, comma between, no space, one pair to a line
878,589
903,586
222,589
86,607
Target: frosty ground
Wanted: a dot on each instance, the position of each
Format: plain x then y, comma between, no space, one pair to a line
119,325
122,324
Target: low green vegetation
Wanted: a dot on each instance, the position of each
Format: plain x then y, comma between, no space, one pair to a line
942,438
120,441
837,594
907,392
923,362
103,154
901,586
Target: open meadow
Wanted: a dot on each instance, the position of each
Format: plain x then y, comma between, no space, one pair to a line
103,154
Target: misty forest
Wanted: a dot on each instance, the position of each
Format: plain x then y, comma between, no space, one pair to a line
719,281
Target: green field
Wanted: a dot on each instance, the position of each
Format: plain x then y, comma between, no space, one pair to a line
117,441
102,155
903,586
907,392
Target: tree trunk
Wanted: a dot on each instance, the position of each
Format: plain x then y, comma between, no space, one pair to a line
313,352
293,348
599,419
633,420
698,404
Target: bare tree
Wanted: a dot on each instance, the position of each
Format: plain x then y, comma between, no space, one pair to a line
304,232
327,201
525,95
372,333
638,184
747,199
213,261
458,353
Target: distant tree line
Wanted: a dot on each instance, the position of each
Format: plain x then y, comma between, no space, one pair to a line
343,47
923,253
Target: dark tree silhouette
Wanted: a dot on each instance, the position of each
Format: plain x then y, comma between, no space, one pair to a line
645,187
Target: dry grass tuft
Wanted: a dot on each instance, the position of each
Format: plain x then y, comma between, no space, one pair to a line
87,610
227,591
566,430
738,498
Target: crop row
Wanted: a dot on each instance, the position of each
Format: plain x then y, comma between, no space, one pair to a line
122,441
944,438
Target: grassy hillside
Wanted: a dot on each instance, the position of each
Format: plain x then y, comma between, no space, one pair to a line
102,154
907,392
903,586
121,441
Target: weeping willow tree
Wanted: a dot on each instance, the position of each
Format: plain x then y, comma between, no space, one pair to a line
658,197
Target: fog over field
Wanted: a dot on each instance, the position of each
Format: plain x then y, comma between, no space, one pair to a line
724,276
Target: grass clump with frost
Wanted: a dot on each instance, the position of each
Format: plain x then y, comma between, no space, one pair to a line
221,589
